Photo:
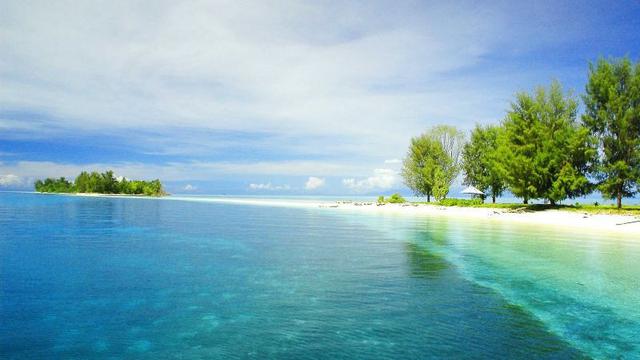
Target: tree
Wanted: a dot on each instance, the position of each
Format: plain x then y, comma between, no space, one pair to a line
452,141
545,152
109,183
568,150
612,113
481,161
101,183
82,182
433,162
519,148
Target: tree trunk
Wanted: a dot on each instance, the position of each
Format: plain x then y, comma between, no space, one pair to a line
619,199
428,198
526,200
552,202
493,198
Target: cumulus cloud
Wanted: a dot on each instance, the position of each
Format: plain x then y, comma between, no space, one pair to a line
393,161
375,68
167,74
314,183
184,171
10,180
382,179
269,187
190,187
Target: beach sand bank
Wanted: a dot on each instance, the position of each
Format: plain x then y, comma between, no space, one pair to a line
574,221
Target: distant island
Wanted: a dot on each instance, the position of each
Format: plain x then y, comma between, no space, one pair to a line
100,183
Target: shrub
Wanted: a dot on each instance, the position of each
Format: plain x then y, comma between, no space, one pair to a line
460,202
396,199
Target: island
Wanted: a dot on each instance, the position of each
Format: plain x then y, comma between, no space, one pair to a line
100,183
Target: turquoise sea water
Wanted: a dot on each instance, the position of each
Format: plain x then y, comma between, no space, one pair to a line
161,278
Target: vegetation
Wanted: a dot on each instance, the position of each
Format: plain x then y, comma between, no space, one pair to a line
60,185
460,202
396,199
546,153
612,103
101,183
577,207
433,161
584,208
481,161
393,199
542,149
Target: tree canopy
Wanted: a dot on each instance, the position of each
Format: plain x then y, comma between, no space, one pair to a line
433,162
481,161
545,151
612,113
101,183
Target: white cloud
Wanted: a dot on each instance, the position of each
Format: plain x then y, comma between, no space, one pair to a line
269,186
183,171
393,161
374,69
190,187
314,183
10,180
344,80
382,179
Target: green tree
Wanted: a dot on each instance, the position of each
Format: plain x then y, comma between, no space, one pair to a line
109,183
420,164
49,185
101,183
568,150
82,182
612,113
433,162
481,161
544,152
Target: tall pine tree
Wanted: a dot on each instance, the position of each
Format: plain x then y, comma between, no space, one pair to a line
612,113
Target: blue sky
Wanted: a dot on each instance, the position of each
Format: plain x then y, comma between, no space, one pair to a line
280,97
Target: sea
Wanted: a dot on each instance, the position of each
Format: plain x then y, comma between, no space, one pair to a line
188,278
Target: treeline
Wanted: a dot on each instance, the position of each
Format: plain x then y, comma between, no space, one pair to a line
542,149
101,183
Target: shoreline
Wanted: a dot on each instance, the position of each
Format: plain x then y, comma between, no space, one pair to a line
574,221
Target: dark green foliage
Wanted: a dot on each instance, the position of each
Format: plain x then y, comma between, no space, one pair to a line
481,161
612,113
460,202
54,185
100,183
544,152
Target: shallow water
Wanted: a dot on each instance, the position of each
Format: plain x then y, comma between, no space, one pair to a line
152,278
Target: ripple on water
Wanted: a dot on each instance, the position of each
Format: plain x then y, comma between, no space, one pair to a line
135,279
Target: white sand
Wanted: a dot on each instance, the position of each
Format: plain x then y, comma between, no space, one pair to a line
574,221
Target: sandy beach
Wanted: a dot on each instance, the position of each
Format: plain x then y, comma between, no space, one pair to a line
574,221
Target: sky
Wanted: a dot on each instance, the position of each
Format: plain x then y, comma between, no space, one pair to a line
275,97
